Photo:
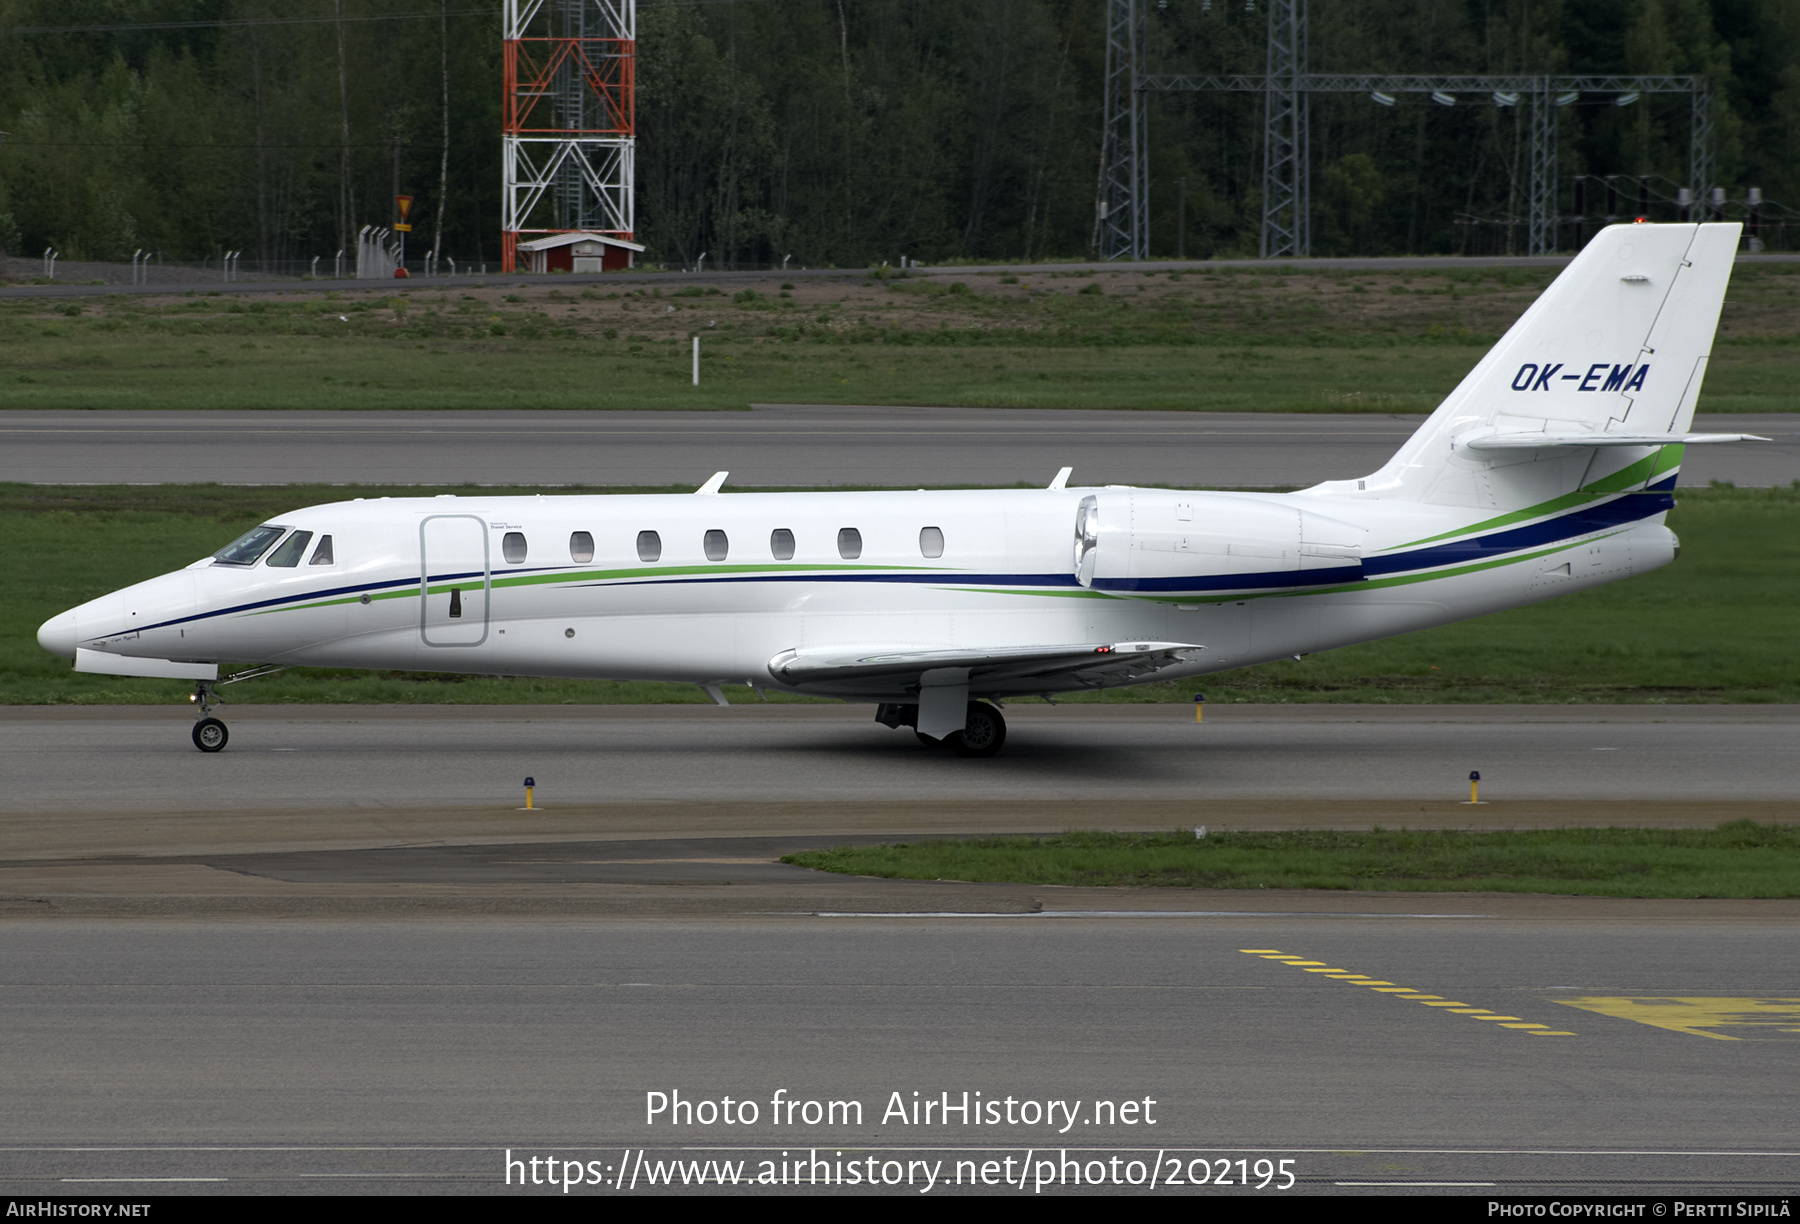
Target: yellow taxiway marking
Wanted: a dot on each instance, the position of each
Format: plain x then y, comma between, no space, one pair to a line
1756,1019
1454,1007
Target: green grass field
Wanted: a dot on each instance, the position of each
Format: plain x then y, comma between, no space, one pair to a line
1716,626
1741,859
1205,340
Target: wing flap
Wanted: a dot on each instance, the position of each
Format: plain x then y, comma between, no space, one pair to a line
1087,664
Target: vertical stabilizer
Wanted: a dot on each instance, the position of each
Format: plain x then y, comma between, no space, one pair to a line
1617,345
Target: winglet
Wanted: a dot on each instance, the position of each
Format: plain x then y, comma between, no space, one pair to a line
1062,479
713,482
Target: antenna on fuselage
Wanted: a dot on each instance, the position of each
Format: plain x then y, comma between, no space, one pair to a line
1062,479
713,482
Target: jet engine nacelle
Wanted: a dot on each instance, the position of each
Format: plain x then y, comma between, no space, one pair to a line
1152,541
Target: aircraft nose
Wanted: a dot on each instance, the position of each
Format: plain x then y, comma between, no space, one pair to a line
57,635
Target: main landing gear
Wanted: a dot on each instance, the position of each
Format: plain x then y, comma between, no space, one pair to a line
981,736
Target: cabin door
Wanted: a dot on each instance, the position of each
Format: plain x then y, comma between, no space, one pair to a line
454,580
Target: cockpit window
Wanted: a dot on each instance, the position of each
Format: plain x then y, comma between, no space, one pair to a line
322,554
248,547
290,552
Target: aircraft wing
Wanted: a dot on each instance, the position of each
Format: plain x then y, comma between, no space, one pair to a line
1010,668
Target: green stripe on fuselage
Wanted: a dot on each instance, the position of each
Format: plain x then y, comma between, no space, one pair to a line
565,576
1643,471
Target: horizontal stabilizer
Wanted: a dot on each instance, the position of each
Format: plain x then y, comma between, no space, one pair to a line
1538,441
1013,668
103,664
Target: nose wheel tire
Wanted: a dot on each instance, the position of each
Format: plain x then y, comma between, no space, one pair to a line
210,735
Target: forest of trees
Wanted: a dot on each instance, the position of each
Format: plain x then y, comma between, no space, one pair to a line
837,131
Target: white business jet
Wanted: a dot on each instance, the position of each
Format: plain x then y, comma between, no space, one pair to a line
1548,470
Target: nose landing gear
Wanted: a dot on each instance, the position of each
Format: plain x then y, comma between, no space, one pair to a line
210,734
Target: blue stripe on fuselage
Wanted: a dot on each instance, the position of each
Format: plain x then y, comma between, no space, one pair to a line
1281,580
1627,509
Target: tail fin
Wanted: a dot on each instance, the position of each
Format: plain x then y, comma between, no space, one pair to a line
1582,391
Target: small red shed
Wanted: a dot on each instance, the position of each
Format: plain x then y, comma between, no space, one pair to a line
579,252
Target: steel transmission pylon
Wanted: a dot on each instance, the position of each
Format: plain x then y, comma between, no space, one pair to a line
1700,145
1540,215
1287,192
1122,211
569,119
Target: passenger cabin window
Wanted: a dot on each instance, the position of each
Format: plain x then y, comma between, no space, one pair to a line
649,546
849,543
248,547
512,547
781,544
322,555
931,541
290,552
581,547
717,546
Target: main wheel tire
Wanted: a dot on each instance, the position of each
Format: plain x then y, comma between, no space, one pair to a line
982,735
210,735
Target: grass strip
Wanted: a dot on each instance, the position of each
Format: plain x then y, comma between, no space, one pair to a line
1325,340
1740,859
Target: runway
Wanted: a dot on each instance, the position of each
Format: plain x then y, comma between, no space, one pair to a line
770,446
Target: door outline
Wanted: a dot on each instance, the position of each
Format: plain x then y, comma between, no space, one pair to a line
487,580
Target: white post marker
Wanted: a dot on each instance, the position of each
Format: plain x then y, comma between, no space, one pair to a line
696,361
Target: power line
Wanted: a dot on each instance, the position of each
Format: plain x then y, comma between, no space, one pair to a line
282,21
225,25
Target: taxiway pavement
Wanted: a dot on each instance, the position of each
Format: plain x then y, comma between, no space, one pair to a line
337,957
771,445
86,780
1450,1050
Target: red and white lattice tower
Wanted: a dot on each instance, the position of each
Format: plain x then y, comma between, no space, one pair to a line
569,119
